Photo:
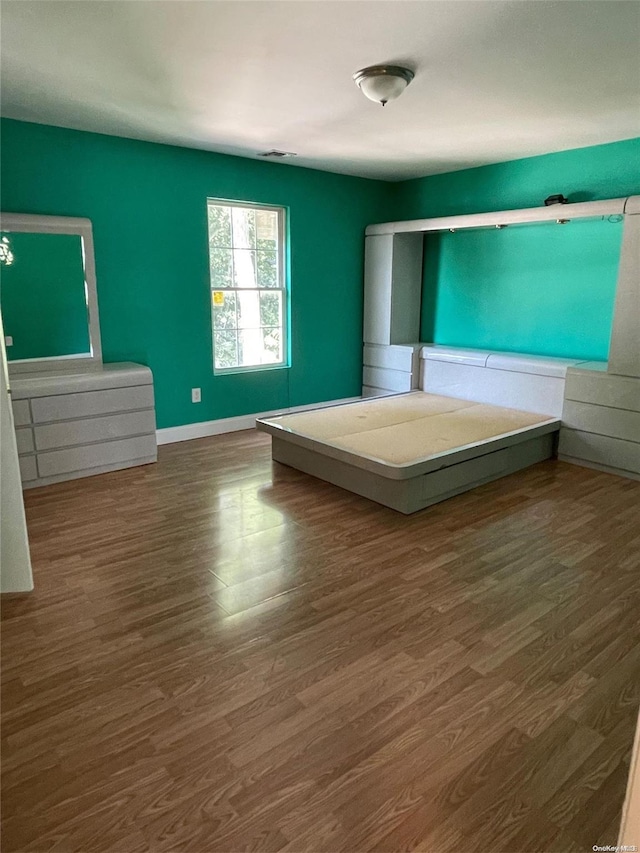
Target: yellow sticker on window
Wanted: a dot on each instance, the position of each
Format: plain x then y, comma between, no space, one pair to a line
218,297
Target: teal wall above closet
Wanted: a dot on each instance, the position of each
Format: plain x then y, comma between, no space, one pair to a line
547,290
581,174
542,289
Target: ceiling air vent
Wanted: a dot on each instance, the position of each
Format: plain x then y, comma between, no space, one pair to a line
278,154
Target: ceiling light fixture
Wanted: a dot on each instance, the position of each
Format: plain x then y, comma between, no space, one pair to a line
383,83
277,153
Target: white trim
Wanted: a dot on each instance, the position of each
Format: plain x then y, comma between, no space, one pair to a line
282,245
580,210
187,432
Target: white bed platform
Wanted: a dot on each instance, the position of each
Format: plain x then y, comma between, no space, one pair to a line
409,451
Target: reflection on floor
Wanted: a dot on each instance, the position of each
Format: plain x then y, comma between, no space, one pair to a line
222,657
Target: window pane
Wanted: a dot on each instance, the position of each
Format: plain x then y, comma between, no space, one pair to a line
244,268
220,260
250,345
267,269
226,348
248,309
224,310
267,229
271,309
244,227
248,296
272,343
219,225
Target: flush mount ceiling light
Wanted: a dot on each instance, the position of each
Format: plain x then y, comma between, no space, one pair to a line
383,83
275,152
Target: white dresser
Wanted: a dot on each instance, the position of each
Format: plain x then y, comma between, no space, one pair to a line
78,423
601,420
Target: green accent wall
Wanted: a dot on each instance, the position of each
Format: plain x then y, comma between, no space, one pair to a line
147,203
547,290
581,174
42,295
542,289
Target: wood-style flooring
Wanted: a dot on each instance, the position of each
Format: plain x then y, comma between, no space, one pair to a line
223,654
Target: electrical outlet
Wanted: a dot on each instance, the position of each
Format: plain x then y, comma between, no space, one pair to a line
8,341
196,395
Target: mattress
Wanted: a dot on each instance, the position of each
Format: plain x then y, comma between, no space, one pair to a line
401,431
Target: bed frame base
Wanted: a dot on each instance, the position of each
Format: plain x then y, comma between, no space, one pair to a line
423,490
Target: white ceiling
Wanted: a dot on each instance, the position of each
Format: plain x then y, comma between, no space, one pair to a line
495,79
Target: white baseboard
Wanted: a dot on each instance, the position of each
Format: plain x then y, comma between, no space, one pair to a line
169,435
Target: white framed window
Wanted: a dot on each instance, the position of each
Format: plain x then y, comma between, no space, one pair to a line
249,299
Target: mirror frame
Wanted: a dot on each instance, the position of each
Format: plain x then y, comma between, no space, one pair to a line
37,224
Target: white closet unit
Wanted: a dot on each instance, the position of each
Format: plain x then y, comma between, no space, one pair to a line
393,285
599,402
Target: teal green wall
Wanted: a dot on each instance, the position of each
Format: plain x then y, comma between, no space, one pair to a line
42,296
547,290
582,174
147,203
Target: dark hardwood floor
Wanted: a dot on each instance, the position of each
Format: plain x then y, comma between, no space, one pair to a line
221,656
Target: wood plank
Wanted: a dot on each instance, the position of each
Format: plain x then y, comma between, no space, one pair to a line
223,654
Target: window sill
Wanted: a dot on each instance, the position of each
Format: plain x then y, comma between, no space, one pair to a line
260,368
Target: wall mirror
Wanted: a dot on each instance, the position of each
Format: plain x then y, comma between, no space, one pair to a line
48,295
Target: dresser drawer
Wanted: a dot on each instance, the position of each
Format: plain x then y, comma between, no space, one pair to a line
602,449
89,403
24,440
54,462
602,420
603,389
28,469
21,413
391,380
106,428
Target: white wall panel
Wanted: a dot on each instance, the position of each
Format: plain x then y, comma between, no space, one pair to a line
406,293
543,395
624,352
378,264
